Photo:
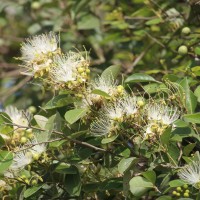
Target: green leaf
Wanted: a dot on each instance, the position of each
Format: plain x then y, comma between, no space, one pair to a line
193,118
176,183
59,101
88,22
101,93
140,77
2,142
112,184
180,123
64,168
188,148
190,98
197,93
111,72
75,114
173,153
53,122
166,136
153,21
90,187
197,50
108,140
73,184
41,121
125,163
150,176
30,191
154,88
139,186
6,159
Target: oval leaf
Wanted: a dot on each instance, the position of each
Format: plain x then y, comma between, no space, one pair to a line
139,186
139,77
30,191
101,93
193,118
125,163
111,72
75,114
6,159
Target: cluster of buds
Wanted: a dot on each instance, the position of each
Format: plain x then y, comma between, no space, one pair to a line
182,191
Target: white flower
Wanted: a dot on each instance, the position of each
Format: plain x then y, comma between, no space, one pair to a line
191,173
166,115
35,52
170,115
17,116
38,45
101,126
114,111
129,105
68,68
4,186
106,85
37,147
20,160
62,72
154,112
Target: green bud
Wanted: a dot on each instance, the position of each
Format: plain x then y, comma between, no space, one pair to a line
178,194
34,182
81,69
186,194
174,192
179,189
35,5
186,31
23,140
183,50
140,103
185,186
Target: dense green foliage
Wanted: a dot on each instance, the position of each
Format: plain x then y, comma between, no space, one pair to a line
124,124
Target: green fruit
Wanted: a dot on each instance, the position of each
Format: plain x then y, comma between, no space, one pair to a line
179,189
35,5
23,140
186,194
182,50
34,182
186,31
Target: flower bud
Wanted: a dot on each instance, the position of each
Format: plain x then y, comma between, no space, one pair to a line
186,31
183,50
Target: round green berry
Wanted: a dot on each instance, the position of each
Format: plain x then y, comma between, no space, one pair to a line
183,50
23,140
186,31
178,194
35,5
34,182
186,194
174,192
185,186
179,189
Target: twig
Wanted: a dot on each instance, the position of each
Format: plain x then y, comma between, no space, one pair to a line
64,136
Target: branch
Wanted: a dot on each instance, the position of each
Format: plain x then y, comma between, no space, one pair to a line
62,134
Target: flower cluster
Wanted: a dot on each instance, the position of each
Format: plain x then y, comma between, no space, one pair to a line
43,58
190,173
27,145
